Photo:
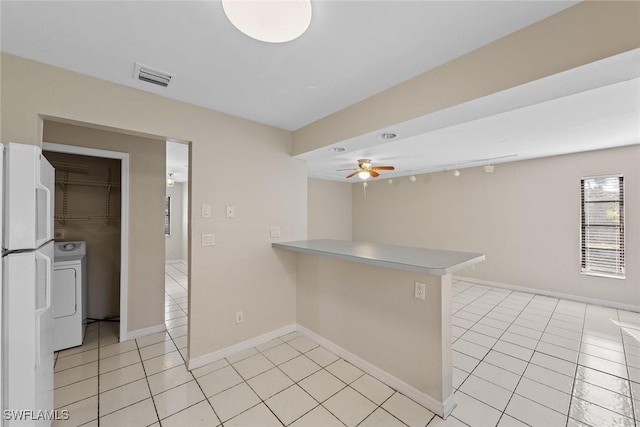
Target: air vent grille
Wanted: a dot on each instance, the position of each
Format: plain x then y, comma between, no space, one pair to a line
153,75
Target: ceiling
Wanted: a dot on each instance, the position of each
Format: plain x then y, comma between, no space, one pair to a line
352,50
591,107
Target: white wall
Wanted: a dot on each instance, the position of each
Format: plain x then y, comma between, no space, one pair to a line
242,271
174,243
525,217
329,210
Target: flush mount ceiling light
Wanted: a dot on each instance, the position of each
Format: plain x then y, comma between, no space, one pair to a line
170,180
271,21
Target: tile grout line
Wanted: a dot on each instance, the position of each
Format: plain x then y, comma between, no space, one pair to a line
575,373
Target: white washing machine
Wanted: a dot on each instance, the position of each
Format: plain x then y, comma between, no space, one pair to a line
69,294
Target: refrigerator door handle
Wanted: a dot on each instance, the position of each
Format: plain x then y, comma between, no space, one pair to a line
44,218
41,311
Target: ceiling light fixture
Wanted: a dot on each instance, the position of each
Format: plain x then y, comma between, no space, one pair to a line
271,21
390,181
364,175
170,180
456,173
488,169
387,135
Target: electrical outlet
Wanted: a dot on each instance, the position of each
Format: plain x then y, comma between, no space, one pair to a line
206,211
58,234
275,231
420,290
239,317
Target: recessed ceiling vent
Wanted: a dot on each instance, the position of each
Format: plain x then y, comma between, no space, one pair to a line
153,75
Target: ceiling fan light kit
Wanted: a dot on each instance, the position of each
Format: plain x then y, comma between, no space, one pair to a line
366,170
271,21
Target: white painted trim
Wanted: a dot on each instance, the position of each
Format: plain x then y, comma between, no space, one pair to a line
435,406
571,297
139,333
199,361
124,217
175,261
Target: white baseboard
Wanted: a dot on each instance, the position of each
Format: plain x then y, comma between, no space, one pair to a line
241,346
139,333
571,297
440,408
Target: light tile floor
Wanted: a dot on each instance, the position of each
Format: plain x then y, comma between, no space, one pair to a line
519,359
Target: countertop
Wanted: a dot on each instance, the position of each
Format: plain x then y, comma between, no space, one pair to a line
435,262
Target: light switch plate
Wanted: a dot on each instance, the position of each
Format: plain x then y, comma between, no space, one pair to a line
208,240
231,211
206,211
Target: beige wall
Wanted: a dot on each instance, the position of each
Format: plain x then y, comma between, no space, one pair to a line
525,217
146,220
174,242
102,236
242,271
371,312
329,210
579,35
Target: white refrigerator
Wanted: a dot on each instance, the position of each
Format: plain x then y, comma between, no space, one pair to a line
27,191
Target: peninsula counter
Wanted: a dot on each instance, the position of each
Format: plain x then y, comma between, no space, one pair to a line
357,299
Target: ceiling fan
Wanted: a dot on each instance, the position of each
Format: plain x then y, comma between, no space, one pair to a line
366,170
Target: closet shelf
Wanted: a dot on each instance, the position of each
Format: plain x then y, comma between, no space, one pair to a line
84,217
86,182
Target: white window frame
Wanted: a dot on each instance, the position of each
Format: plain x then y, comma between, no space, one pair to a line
593,270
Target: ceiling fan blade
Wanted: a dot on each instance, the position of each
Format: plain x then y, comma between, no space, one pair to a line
374,173
353,174
349,169
383,168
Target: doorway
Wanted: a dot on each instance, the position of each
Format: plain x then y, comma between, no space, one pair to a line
120,210
176,244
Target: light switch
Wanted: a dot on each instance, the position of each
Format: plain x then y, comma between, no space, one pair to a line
208,240
275,232
231,211
206,211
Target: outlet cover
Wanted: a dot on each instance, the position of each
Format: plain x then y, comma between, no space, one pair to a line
275,231
420,290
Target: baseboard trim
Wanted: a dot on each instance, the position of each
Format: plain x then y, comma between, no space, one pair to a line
199,361
139,333
440,408
578,298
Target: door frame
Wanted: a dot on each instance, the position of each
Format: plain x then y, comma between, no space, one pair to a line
124,216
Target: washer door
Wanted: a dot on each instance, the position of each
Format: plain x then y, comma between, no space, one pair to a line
63,293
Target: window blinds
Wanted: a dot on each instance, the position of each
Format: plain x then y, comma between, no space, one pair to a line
603,225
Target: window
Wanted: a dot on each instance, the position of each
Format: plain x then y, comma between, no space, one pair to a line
167,216
603,225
